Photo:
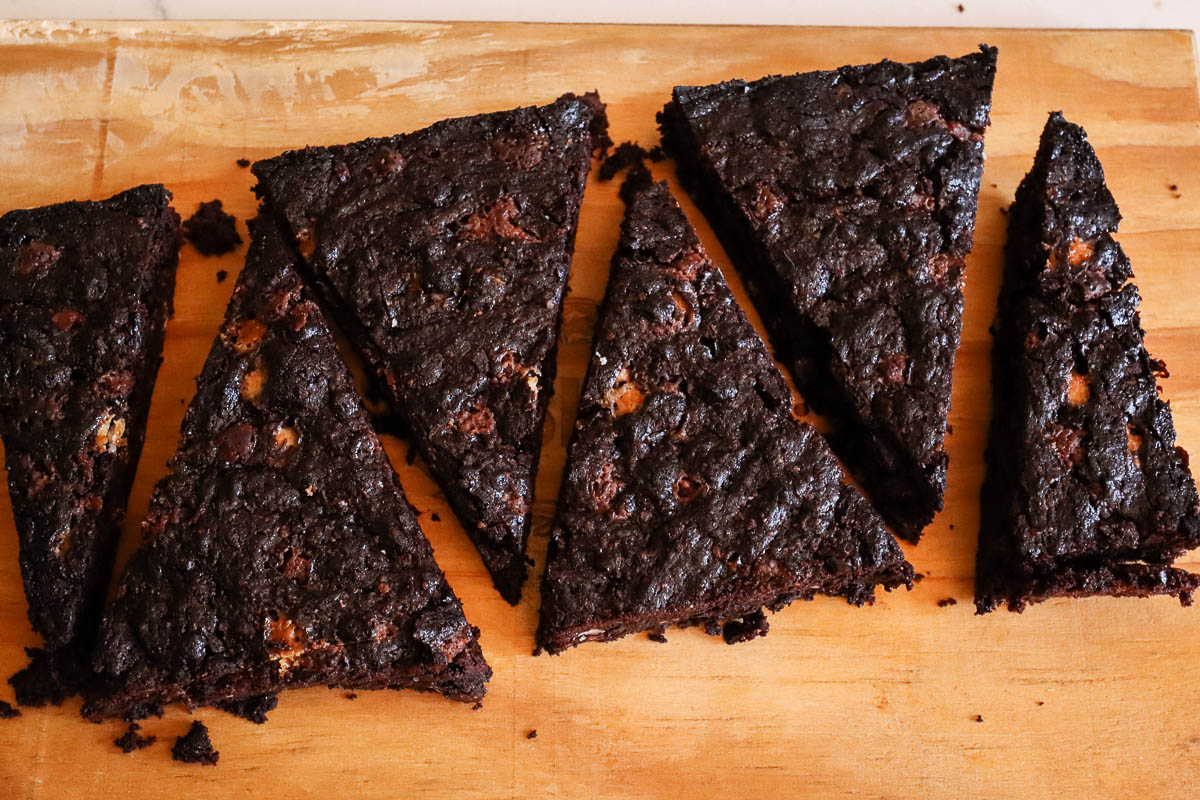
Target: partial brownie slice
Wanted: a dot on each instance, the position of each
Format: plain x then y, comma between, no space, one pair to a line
691,494
444,254
1086,492
280,550
847,201
85,292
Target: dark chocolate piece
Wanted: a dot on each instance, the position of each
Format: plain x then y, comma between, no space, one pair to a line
444,253
1086,492
847,200
211,230
280,550
194,747
85,292
691,495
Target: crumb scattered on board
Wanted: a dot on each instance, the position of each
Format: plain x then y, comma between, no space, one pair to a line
131,740
626,155
254,708
947,601
211,230
978,718
350,695
222,274
532,734
194,747
7,711
243,162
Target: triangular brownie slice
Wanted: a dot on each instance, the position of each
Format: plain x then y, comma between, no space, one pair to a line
691,494
85,292
1086,492
280,550
444,254
847,200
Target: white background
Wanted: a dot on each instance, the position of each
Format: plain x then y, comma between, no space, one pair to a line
983,13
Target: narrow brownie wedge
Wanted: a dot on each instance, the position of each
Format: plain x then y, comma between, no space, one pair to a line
691,494
846,200
444,254
1086,492
280,550
85,292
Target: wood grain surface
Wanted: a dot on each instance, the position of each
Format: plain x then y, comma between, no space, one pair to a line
1092,698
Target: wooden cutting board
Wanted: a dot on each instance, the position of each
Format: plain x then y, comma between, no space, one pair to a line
1091,698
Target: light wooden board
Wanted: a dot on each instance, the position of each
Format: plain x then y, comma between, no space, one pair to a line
1090,698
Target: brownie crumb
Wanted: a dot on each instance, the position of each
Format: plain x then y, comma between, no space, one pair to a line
434,516
919,576
7,711
243,162
131,740
211,230
222,274
1173,187
961,9
951,526
194,747
947,601
625,155
657,636
978,718
1041,702
478,705
252,708
351,695
532,734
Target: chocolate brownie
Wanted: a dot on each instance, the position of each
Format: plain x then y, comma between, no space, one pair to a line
847,200
85,292
212,230
444,254
194,747
280,550
1086,492
691,494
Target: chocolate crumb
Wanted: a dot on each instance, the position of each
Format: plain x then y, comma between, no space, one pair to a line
350,695
252,708
947,601
194,747
532,734
657,636
978,718
478,705
222,274
960,8
7,711
625,155
434,516
1041,702
243,162
212,231
131,740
